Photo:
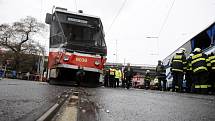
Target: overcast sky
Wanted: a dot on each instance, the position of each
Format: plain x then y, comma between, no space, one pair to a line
138,19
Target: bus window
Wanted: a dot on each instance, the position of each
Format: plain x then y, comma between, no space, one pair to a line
202,41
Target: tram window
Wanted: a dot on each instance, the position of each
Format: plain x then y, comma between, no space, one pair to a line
83,35
57,36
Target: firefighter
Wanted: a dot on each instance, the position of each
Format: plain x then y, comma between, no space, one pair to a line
128,74
200,65
188,75
118,76
147,80
161,75
212,73
178,66
111,76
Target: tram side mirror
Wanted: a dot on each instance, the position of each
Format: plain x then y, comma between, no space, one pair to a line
48,18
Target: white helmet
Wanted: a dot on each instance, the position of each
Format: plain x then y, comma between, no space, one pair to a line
147,71
179,51
197,50
191,54
183,50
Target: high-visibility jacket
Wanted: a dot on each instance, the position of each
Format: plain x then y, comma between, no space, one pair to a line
189,65
118,74
212,62
112,72
200,63
178,63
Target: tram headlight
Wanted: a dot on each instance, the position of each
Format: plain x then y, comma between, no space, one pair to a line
66,58
97,63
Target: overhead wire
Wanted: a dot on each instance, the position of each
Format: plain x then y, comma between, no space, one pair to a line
118,13
166,18
163,24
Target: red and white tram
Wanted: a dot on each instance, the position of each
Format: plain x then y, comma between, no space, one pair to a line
76,40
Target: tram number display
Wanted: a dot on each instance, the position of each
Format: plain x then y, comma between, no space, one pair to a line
81,60
77,20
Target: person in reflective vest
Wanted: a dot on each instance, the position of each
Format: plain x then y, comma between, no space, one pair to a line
189,73
161,75
111,76
178,67
118,76
212,73
200,65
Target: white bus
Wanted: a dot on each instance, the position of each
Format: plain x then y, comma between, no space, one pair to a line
204,40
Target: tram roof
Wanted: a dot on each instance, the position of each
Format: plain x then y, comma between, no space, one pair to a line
76,13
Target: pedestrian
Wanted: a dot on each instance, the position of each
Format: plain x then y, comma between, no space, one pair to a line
189,74
80,75
178,67
1,73
161,75
14,74
200,65
123,79
118,76
28,75
106,77
211,85
128,73
147,80
111,76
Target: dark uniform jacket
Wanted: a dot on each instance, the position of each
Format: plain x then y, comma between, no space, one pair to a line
178,63
189,65
128,72
200,63
147,77
160,71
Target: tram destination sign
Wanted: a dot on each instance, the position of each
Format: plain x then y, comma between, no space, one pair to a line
77,20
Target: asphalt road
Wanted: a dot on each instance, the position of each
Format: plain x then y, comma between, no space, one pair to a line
107,104
26,100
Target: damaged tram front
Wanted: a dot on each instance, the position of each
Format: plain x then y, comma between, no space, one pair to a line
76,41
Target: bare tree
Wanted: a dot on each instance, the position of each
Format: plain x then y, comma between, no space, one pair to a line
19,37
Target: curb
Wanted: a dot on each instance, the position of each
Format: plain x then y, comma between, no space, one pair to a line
69,111
49,114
